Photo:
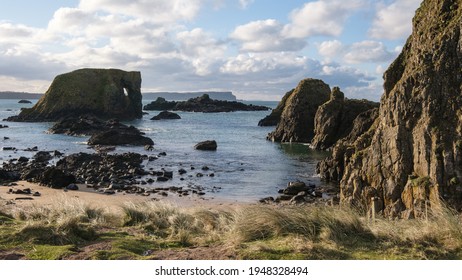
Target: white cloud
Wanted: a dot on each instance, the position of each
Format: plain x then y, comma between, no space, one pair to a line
201,50
393,21
159,11
266,36
331,49
368,52
322,17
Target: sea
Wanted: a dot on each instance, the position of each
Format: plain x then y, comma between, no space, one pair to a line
246,167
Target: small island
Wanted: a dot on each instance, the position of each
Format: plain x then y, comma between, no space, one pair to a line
202,104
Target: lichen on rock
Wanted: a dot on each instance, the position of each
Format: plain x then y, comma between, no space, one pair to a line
419,128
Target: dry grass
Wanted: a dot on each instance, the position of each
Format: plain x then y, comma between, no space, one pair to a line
255,232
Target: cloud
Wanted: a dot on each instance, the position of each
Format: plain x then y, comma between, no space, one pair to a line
393,21
368,52
159,11
266,36
360,52
322,17
201,50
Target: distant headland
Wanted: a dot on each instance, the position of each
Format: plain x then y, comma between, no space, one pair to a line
171,96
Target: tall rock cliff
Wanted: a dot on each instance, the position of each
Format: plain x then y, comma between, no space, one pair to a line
297,119
412,154
105,93
335,118
275,116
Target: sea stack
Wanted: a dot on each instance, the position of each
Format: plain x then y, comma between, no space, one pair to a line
104,93
297,119
411,157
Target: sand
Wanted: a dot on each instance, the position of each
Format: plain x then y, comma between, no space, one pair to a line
91,197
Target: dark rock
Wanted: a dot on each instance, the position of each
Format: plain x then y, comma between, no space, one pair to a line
42,156
23,159
125,136
23,101
182,171
202,104
162,179
209,145
3,126
33,149
9,149
297,119
72,187
105,93
56,178
293,188
334,119
166,115
266,200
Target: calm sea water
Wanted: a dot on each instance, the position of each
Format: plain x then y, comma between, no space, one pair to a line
246,166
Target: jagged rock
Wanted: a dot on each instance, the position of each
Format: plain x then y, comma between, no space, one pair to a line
209,145
275,116
166,115
413,152
334,119
202,104
297,119
108,133
105,93
126,136
332,168
160,104
56,178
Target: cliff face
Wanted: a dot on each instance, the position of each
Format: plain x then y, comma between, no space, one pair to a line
275,116
335,118
297,118
105,93
413,151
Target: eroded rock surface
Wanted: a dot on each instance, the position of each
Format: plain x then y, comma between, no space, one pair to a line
297,118
105,93
412,154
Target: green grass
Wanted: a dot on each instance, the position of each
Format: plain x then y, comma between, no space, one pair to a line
251,232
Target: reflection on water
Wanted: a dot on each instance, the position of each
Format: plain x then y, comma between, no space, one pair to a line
302,151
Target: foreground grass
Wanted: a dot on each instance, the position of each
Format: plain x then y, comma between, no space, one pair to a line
72,230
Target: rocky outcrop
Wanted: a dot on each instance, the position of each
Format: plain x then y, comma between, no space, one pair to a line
166,115
412,154
105,93
297,119
275,116
110,132
23,101
202,104
209,145
335,119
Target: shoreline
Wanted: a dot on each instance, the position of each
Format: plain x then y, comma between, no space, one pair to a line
110,202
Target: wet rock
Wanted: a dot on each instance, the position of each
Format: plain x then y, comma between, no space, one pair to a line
42,157
266,200
23,101
56,178
126,136
166,115
72,187
209,145
294,188
3,126
182,171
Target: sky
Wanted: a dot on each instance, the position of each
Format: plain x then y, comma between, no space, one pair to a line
258,49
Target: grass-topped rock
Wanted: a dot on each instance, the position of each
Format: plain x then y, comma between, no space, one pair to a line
105,93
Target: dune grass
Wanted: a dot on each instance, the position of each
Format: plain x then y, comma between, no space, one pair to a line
140,231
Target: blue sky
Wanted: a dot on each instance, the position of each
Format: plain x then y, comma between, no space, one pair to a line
258,49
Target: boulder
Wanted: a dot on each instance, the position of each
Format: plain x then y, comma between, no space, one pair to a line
166,115
297,118
160,104
105,93
334,119
209,145
126,136
413,151
56,178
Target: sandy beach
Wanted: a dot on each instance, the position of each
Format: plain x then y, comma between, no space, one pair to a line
91,197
